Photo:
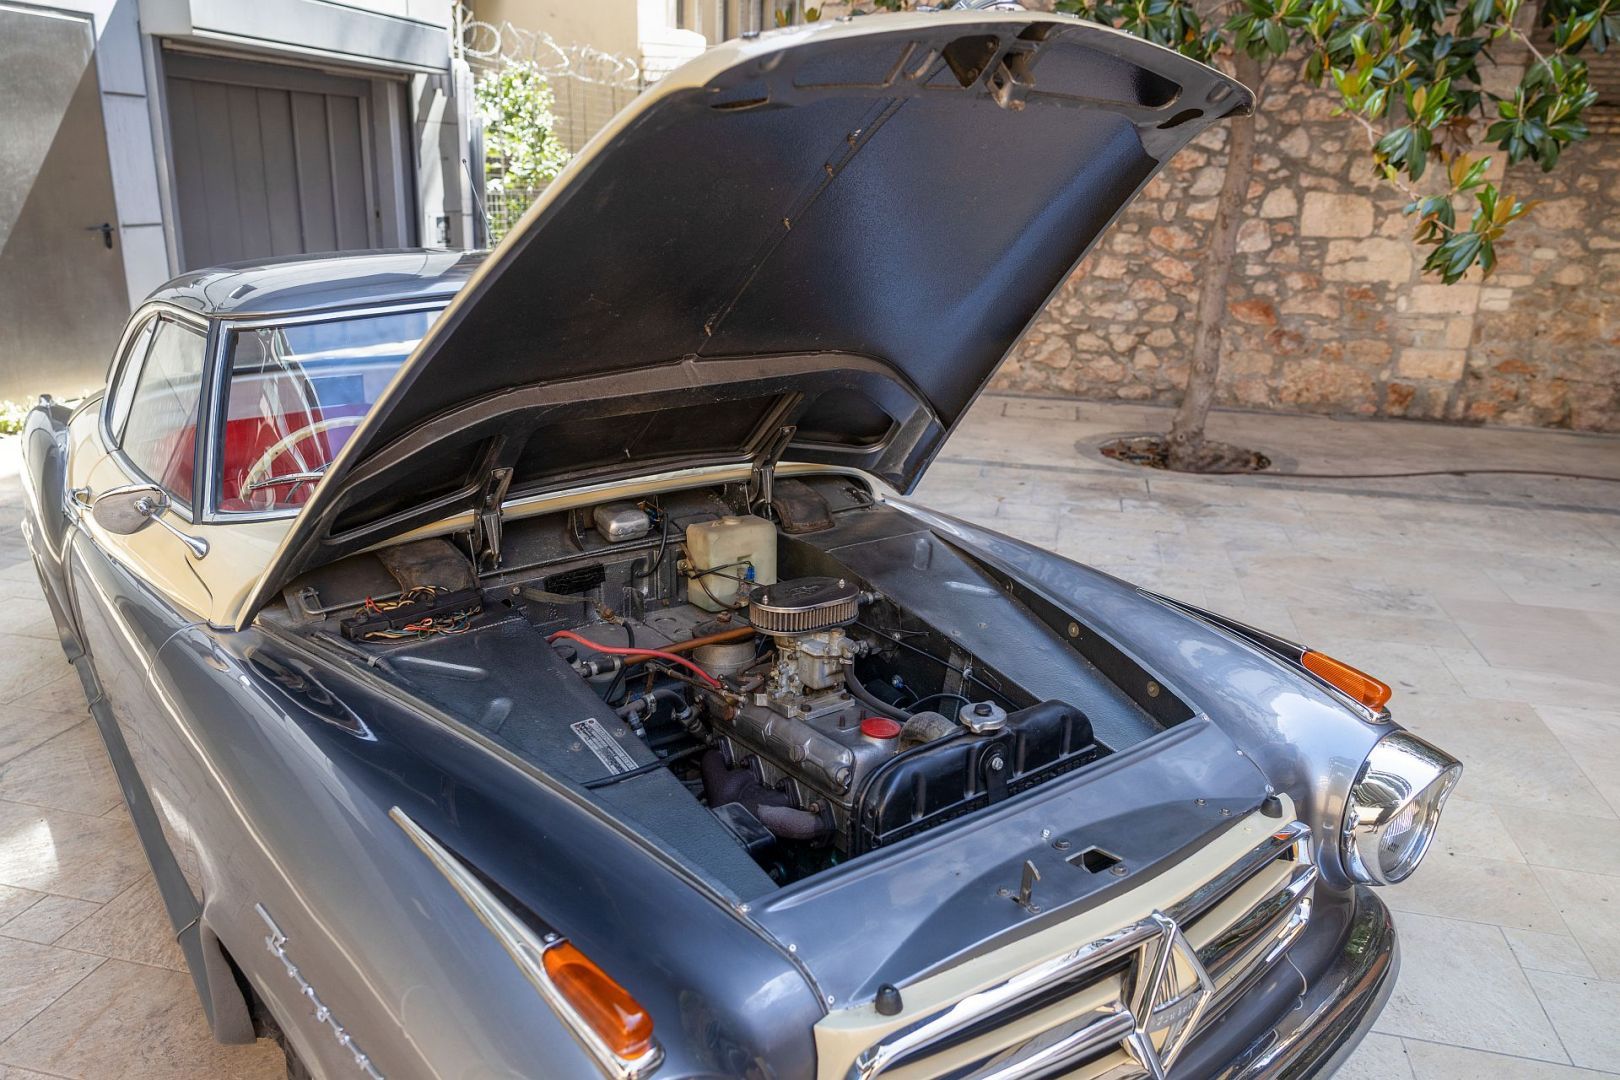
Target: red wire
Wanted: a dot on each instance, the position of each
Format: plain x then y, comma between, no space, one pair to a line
616,651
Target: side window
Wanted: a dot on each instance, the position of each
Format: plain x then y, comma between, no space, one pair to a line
124,392
159,431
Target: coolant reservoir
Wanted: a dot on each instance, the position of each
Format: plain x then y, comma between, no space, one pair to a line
740,552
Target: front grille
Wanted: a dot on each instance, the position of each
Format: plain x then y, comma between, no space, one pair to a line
1155,983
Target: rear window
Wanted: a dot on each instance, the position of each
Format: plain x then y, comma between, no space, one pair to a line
294,397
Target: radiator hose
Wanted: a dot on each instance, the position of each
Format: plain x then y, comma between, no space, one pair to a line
872,702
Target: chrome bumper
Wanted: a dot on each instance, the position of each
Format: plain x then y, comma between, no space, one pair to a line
1338,1007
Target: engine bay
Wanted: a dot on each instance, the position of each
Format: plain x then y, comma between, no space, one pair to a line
783,678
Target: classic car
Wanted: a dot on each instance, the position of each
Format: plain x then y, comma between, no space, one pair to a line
530,664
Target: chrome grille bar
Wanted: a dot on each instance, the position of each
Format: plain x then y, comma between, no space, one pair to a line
1140,955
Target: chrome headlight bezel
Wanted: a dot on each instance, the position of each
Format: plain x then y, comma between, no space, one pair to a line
1404,780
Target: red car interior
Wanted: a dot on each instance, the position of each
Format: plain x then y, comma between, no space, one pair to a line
248,438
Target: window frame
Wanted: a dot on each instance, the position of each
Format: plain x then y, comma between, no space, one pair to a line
210,456
128,365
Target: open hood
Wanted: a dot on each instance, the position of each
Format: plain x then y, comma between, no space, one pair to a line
815,244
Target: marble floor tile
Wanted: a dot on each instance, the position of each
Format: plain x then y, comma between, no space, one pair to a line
1567,841
1482,679
10,1072
14,901
1590,906
46,713
1038,408
1510,757
31,663
1474,828
33,976
131,1022
69,772
89,858
1379,1057
48,919
1498,1013
1574,652
1592,737
1479,890
132,926
1537,951
1436,1061
1331,623
1586,1014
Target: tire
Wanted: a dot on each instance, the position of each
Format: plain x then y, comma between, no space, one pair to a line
267,1028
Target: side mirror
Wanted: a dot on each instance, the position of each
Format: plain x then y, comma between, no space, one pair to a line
129,509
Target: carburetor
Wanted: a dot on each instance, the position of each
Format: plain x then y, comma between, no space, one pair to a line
802,730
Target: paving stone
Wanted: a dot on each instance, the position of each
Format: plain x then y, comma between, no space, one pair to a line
131,1022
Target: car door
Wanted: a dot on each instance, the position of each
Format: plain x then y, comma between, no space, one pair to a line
132,592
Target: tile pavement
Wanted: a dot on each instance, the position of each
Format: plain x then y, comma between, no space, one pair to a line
1491,604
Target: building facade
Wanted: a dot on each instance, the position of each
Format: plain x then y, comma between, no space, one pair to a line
142,138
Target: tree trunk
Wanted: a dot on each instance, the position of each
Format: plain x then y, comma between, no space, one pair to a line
1184,447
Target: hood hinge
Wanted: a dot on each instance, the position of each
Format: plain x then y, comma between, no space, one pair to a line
487,523
763,478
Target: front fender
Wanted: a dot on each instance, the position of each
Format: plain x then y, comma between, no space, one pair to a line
311,758
1307,743
47,521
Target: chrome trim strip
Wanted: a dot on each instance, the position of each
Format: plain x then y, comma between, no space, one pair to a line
1195,903
276,942
526,948
1257,639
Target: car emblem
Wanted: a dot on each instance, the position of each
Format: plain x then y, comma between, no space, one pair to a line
1169,997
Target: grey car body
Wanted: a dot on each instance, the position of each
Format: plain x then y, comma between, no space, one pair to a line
282,786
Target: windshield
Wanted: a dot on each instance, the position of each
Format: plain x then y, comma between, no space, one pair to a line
295,395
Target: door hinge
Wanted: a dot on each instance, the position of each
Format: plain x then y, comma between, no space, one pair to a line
764,465
487,525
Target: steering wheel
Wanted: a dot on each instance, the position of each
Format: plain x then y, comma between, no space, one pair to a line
260,469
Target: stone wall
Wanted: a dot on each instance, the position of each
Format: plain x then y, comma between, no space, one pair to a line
1328,311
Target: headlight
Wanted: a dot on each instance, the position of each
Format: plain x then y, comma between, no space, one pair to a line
1394,808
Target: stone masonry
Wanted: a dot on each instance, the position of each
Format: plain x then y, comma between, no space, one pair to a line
1329,312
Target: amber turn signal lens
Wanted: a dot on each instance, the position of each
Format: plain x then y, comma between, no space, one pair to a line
616,1017
1358,684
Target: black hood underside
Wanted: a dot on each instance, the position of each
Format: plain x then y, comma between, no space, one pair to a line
831,236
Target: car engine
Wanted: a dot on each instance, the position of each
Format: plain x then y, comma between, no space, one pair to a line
813,715
848,768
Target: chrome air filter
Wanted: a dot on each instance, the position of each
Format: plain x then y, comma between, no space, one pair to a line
803,605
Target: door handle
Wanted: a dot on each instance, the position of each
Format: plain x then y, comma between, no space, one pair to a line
106,231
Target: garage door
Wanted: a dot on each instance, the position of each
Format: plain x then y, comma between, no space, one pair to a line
269,160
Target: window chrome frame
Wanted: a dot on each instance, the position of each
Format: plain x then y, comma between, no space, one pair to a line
211,452
119,369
